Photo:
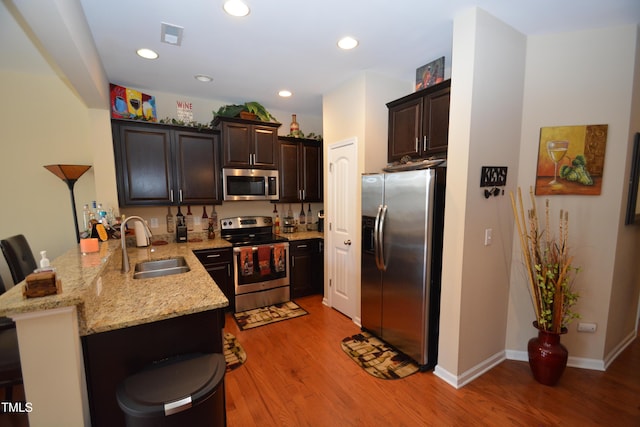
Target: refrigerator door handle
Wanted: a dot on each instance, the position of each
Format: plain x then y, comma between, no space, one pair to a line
383,216
376,238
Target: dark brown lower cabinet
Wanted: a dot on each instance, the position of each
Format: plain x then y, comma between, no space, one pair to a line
306,261
219,265
110,357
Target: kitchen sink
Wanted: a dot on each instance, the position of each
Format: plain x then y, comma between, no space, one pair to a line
160,268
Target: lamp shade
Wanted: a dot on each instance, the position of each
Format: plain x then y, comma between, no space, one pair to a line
68,172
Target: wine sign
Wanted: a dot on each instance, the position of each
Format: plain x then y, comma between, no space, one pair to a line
132,104
571,160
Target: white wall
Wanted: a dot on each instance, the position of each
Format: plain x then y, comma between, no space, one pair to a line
484,130
584,78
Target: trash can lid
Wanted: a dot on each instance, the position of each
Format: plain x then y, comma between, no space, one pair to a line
171,386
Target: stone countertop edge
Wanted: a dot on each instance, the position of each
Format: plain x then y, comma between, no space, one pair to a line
107,299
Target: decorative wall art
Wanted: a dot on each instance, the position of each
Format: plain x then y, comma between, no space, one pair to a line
430,74
571,160
132,104
633,211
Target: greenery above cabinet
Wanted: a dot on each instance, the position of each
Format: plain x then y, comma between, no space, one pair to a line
300,169
419,123
160,165
248,143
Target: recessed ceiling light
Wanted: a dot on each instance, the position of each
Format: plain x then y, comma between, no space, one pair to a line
203,78
347,43
285,93
236,8
147,53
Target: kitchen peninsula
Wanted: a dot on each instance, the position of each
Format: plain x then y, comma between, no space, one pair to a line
104,316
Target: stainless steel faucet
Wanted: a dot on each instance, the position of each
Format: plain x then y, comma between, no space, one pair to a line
125,256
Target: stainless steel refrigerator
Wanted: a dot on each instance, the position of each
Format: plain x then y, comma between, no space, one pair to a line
402,221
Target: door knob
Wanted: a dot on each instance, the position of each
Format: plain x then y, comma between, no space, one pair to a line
347,242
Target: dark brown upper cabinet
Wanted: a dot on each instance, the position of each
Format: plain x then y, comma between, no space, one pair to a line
160,165
300,169
419,123
248,143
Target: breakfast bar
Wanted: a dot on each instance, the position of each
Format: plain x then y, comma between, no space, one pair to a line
101,318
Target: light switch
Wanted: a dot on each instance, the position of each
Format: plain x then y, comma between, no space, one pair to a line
487,236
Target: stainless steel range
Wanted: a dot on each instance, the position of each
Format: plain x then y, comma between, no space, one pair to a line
260,259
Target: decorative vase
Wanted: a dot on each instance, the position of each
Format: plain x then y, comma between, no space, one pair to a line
547,356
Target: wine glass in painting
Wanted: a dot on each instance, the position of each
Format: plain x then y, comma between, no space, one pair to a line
135,104
556,150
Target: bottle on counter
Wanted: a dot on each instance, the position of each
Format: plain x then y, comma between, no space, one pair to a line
276,225
214,217
189,219
86,217
309,218
179,218
211,233
205,219
302,218
171,225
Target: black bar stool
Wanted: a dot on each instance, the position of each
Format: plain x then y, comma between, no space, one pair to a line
10,369
19,257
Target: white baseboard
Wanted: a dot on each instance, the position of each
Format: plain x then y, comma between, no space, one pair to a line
522,356
613,354
471,374
574,362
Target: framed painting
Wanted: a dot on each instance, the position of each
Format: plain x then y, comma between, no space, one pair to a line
571,160
430,74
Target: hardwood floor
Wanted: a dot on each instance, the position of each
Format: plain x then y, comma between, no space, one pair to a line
296,374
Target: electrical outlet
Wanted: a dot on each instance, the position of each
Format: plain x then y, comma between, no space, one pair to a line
586,327
154,223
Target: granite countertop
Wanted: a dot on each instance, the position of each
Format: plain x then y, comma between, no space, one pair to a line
108,299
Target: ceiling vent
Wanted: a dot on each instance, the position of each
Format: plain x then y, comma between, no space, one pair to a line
171,34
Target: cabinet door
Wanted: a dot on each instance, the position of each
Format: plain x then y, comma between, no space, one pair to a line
198,167
436,122
301,268
311,173
289,185
144,164
405,130
219,265
236,144
263,146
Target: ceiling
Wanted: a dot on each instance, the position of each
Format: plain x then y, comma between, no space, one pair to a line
291,44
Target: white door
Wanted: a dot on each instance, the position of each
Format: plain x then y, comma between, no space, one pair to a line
342,219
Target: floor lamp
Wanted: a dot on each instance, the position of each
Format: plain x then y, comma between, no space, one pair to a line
70,174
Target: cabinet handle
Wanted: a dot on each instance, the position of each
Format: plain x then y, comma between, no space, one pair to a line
213,256
301,246
171,195
416,144
180,193
424,143
229,270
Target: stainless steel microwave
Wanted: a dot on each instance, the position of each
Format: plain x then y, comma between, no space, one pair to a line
250,184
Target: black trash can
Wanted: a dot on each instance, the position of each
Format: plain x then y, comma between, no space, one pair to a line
182,391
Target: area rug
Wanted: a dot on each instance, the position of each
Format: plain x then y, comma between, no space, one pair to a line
263,316
234,354
377,357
